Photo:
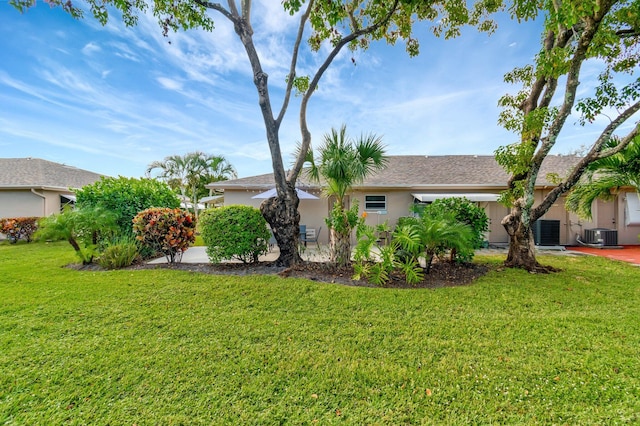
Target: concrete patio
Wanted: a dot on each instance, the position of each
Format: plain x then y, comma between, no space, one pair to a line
199,255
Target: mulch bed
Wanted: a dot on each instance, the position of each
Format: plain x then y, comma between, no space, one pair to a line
442,274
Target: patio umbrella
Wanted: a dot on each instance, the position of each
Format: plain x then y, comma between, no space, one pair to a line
303,195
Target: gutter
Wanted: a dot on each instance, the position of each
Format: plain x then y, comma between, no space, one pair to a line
44,199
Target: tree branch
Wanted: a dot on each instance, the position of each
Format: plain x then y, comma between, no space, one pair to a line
217,7
246,10
594,154
611,128
294,59
627,33
306,135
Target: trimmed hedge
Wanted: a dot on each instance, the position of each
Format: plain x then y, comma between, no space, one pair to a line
234,232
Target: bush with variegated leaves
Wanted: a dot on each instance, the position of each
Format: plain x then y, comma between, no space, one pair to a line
19,228
165,230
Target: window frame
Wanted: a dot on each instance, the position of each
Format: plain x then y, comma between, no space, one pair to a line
383,202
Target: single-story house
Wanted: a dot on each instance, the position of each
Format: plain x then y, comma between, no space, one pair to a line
32,187
411,179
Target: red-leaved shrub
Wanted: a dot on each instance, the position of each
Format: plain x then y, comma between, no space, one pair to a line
17,228
165,230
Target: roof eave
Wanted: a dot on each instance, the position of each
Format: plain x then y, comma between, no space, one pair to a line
38,187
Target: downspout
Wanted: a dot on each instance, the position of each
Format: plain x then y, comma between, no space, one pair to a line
44,203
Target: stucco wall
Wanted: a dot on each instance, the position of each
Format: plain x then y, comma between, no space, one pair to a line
314,212
612,215
25,203
626,234
21,204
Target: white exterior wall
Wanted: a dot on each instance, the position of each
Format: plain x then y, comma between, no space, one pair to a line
24,203
398,204
496,212
312,212
21,204
605,214
612,215
626,234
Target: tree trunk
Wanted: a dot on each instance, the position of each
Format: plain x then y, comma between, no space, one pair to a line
522,252
339,248
283,217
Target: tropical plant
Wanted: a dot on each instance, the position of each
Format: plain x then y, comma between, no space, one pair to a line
432,236
376,262
18,228
463,211
331,27
234,232
604,176
82,228
188,174
125,197
119,253
603,34
165,230
341,163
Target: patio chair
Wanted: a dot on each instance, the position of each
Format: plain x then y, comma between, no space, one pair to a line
311,236
272,240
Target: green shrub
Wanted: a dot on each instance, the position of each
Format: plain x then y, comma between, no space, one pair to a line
465,212
234,232
119,254
406,220
126,197
165,230
19,228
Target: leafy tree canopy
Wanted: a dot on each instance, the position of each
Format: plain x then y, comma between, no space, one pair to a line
605,35
125,197
334,24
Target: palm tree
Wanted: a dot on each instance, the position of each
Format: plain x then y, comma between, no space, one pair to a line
82,226
189,173
217,169
173,171
604,176
342,163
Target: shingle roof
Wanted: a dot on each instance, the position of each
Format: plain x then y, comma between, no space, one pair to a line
419,171
38,173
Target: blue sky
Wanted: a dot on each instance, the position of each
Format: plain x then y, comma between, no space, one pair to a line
113,99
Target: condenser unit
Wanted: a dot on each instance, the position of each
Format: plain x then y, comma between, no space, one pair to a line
546,232
602,236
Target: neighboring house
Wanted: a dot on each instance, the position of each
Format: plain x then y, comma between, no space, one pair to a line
35,187
412,179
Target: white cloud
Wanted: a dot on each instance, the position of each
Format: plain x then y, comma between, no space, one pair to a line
144,96
91,48
169,83
270,18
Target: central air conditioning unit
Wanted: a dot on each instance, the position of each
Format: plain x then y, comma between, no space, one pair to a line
603,236
546,232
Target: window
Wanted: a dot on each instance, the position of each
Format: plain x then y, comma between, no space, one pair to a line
67,200
375,202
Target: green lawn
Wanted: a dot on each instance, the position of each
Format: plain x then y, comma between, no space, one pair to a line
170,347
